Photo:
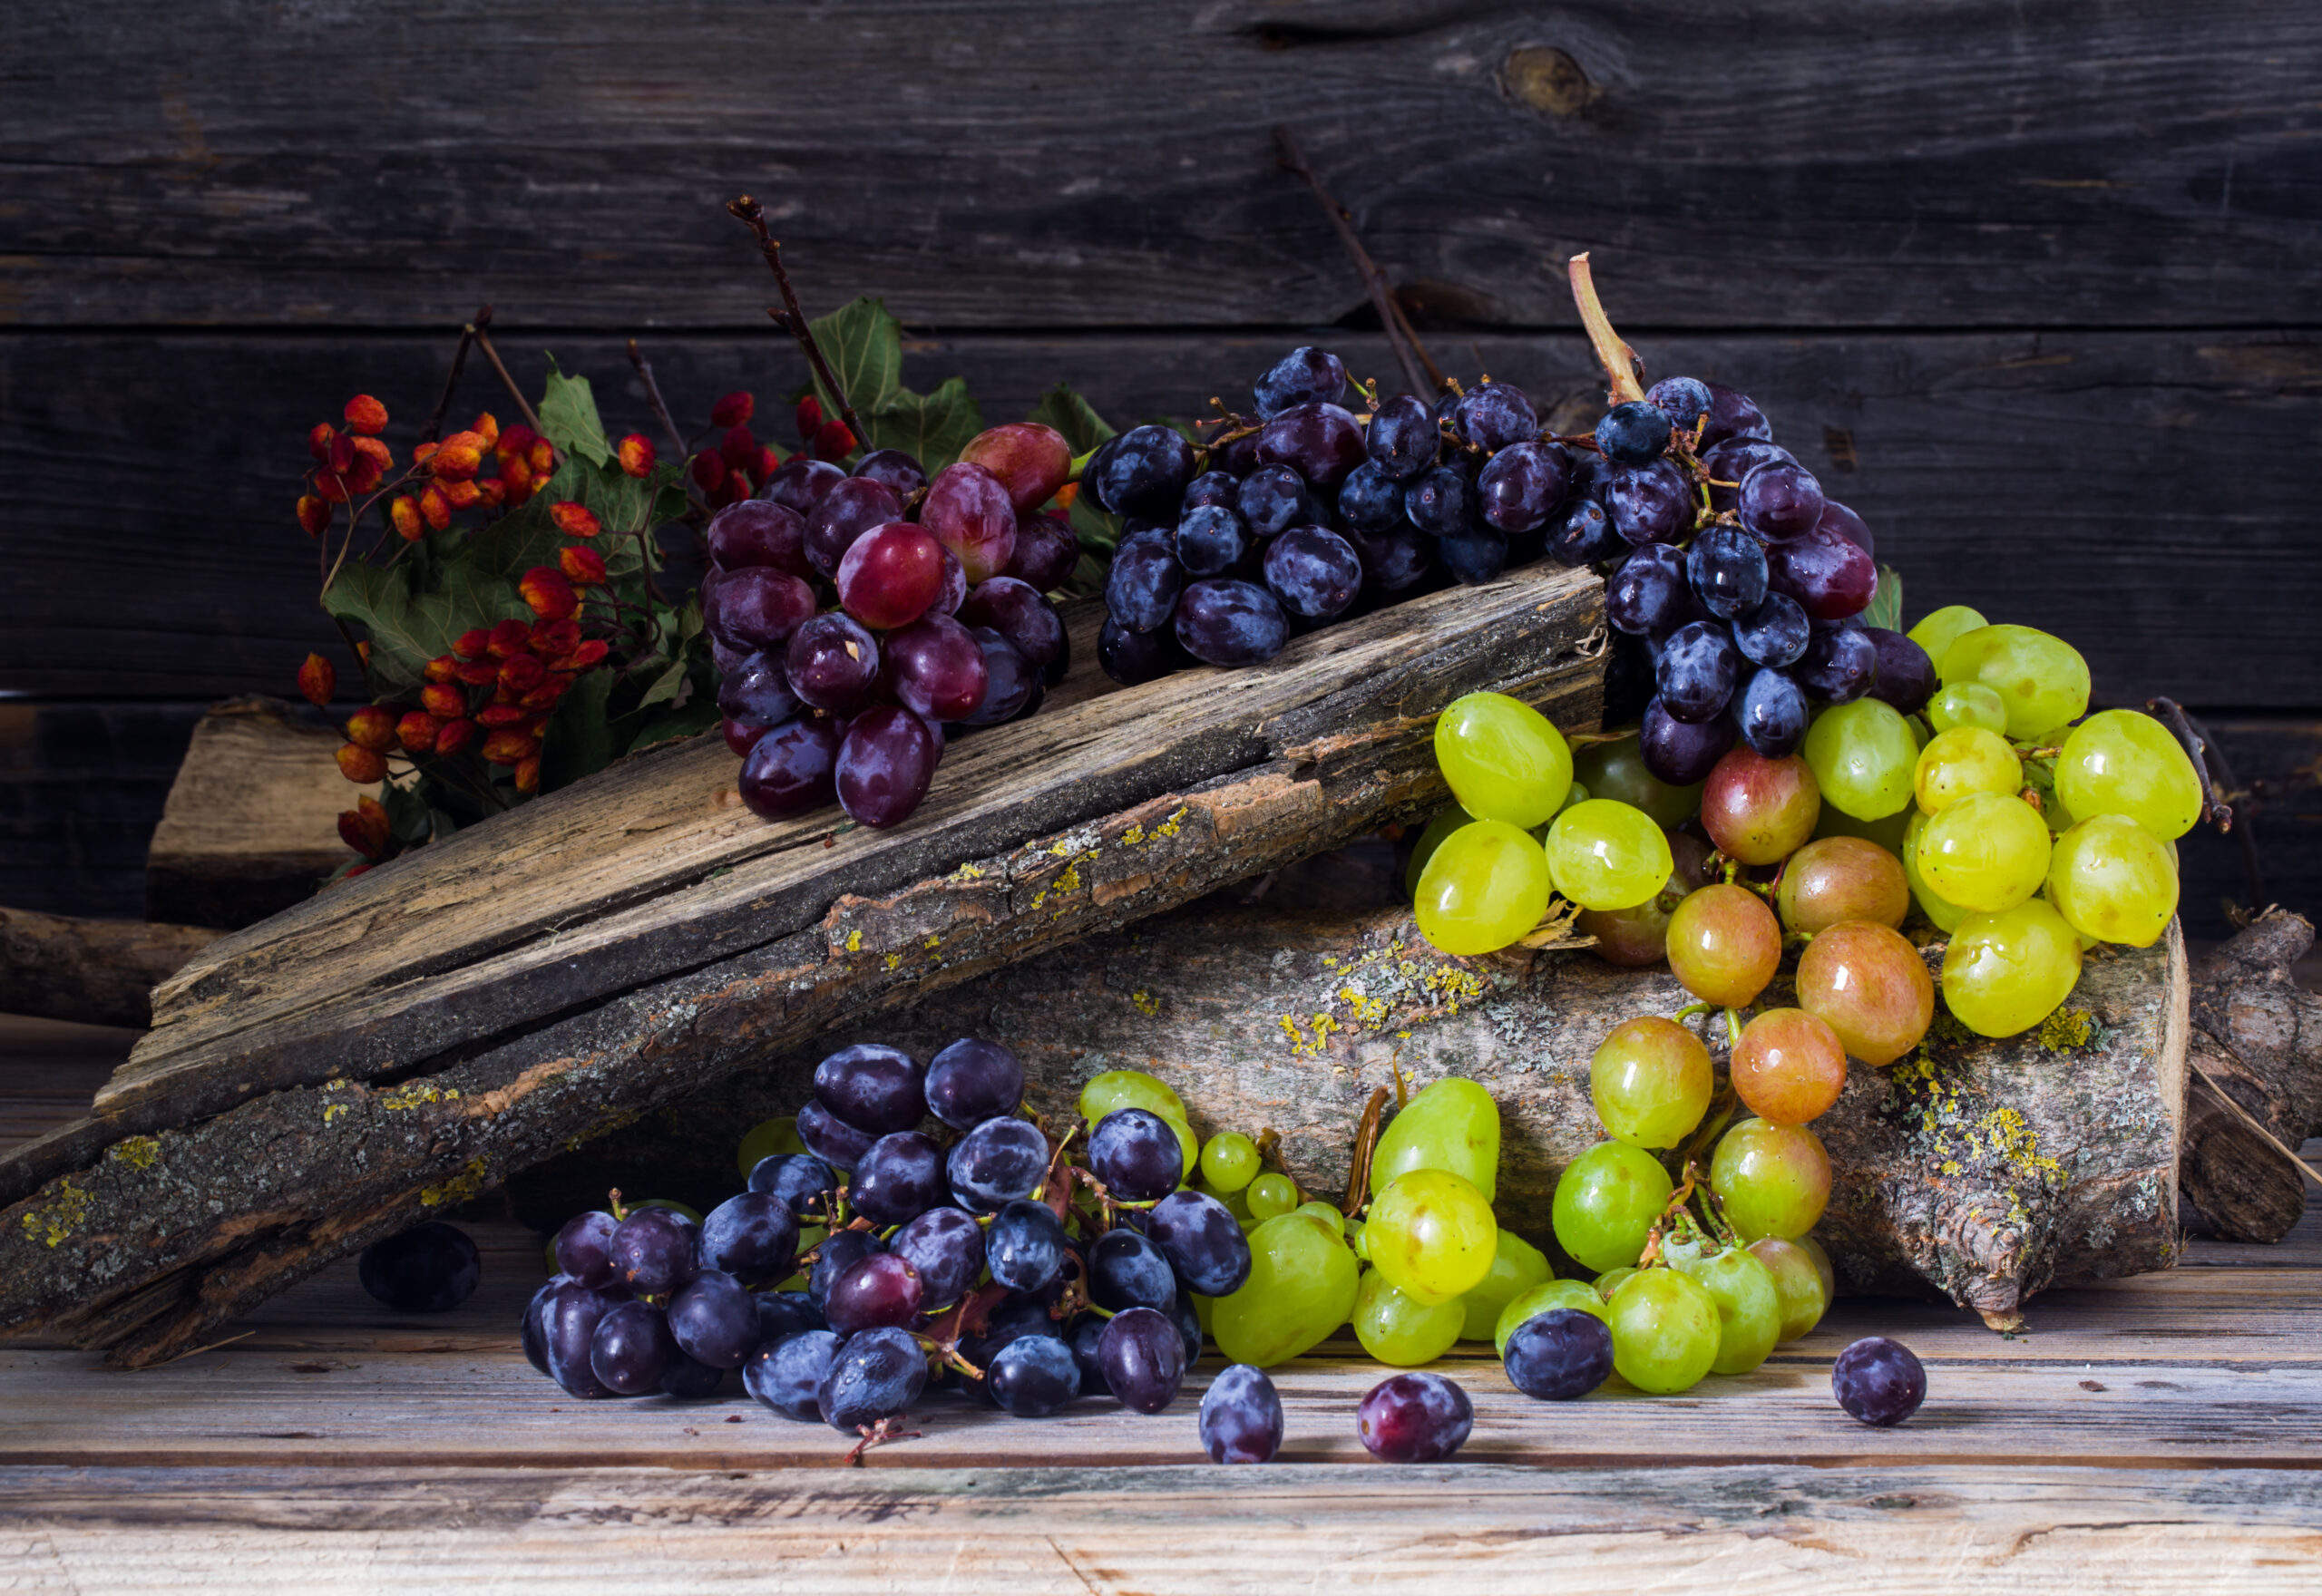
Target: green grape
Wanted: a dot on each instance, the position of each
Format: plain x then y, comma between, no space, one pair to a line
1397,1328
1775,1180
1939,630
2006,972
1664,1330
1429,839
1805,1294
1617,770
1323,1214
1358,1236
1486,885
1545,1298
1942,915
2118,762
1965,704
1578,794
2111,880
1610,1280
1651,1081
1886,830
1204,1309
1960,763
1432,1235
1920,732
1862,755
549,1257
1605,1202
1236,1202
1749,1305
2042,680
1302,1287
1271,1196
1502,759
1230,1162
1986,852
1608,855
1128,1088
1517,1266
1813,1250
1188,1144
1451,1125
765,1139
2061,819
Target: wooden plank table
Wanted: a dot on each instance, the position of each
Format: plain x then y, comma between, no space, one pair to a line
2159,1434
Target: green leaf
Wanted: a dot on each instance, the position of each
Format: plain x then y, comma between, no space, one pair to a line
569,417
578,741
865,347
933,427
408,816
1072,415
409,626
664,687
697,715
1093,527
1886,609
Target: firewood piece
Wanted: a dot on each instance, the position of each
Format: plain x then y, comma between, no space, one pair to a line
97,971
2260,1043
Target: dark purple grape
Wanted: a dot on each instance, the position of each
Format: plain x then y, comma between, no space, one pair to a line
1212,487
936,668
1187,1318
1210,538
1134,659
1778,502
584,1248
1141,590
1093,472
874,1087
1584,535
1496,415
833,663
900,474
799,483
1021,1313
429,1269
1830,578
830,1138
714,1320
785,1313
533,1327
1033,1377
1303,375
1143,1359
1225,622
784,1375
1728,463
1731,414
1273,498
1683,400
880,1289
955,590
1770,714
1775,633
1046,551
1415,1418
1127,1270
1698,671
1878,1381
899,1179
1002,1161
569,1321
1522,486
1314,573
1240,1416
1679,753
752,1236
1013,687
653,1252
1837,518
1085,1336
1370,500
849,510
1559,1355
691,1380
1906,676
1473,558
840,1251
755,607
1441,502
874,1376
1395,561
802,1182
1649,504
1143,472
1017,611
1136,1154
758,532
971,1081
1320,441
792,768
759,690
1647,596
1727,569
1634,433
1840,665
632,1349
1203,1241
1628,678
1024,1247
885,765
945,1245
1404,436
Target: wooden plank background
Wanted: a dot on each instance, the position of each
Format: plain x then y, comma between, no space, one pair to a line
2034,289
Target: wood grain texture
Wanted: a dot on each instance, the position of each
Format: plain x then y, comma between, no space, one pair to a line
1963,163
96,971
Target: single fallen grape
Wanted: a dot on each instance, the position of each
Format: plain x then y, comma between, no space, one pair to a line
1414,1419
1863,756
1270,1195
1240,1416
1878,1381
1759,811
2041,679
1560,1355
1450,1125
1503,759
1431,1234
1961,762
1870,987
1397,1328
1486,885
1963,704
1605,1202
1545,1298
2004,973
1775,1180
1302,1287
1724,945
1802,1284
2112,880
1939,629
1605,854
1986,852
1835,878
1664,1330
1516,1267
2118,762
1650,1081
1789,1066
1748,1304
1230,1161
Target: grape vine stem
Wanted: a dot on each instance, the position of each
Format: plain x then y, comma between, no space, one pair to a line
1620,362
791,318
1419,369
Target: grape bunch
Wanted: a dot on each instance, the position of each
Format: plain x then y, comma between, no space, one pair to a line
858,621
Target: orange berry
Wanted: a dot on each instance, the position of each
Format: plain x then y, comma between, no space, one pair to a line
834,442
373,726
462,494
495,718
416,730
637,455
510,746
574,520
708,472
366,414
458,458
507,638
553,637
472,643
585,567
528,774
455,737
404,514
733,410
521,672
317,680
487,427
319,442
444,702
552,597
542,457
361,765
314,514
365,827
435,509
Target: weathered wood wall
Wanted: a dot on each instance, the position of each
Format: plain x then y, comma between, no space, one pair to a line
2035,289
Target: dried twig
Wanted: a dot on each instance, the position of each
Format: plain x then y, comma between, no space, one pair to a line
653,399
483,342
2250,1120
1366,1143
2214,809
791,318
434,427
1419,369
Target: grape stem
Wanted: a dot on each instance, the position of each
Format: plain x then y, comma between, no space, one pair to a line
434,427
2214,809
1419,369
1620,362
1366,1143
791,319
879,1435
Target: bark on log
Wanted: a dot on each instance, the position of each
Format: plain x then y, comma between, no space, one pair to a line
479,1005
97,971
1986,1170
2258,1042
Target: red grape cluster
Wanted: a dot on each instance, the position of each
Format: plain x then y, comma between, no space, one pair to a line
855,617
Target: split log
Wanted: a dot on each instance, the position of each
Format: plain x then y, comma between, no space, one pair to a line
1985,1170
2256,1046
96,971
366,1059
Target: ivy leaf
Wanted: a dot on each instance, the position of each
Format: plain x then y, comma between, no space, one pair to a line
1886,608
569,417
1072,415
933,427
578,740
865,347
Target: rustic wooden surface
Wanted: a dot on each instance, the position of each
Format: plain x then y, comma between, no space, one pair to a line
99,971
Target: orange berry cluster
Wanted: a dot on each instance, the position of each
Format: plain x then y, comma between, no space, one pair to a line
445,476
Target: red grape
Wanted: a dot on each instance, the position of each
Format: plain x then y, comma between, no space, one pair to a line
741,733
1830,577
1869,986
1835,878
1724,945
968,511
831,663
798,483
936,668
1029,459
1759,811
756,607
1046,551
849,510
891,576
1789,1066
885,762
1015,610
757,531
791,769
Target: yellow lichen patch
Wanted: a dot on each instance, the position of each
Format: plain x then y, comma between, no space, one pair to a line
332,1111
1169,828
933,943
137,1151
1060,848
467,1183
1368,1012
2017,1142
417,1094
967,872
854,941
65,1211
2066,1029
1451,986
1133,836
893,960
1145,1003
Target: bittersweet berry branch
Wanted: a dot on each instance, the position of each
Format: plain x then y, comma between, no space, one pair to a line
434,429
791,318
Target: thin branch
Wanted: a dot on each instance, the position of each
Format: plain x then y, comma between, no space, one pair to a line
653,398
1409,353
2214,809
791,318
483,342
2250,1120
434,427
1620,362
2246,833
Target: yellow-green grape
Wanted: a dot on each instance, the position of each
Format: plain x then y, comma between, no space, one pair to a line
1204,1309
1773,1179
2004,973
1452,1124
1230,1162
2112,880
1966,704
1545,1298
1576,794
1943,915
1397,1328
1432,1235
1964,761
1188,1144
549,1257
1270,1195
1605,1202
1236,1202
1323,1214
1502,759
1129,1088
1938,631
2042,680
1664,1330
766,1138
1302,1287
1651,1081
1607,855
2118,762
1862,755
1749,1305
1429,839
1516,1267
1886,830
1357,1238
1611,1280
1616,770
1986,852
1803,1286
1920,732
1486,885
